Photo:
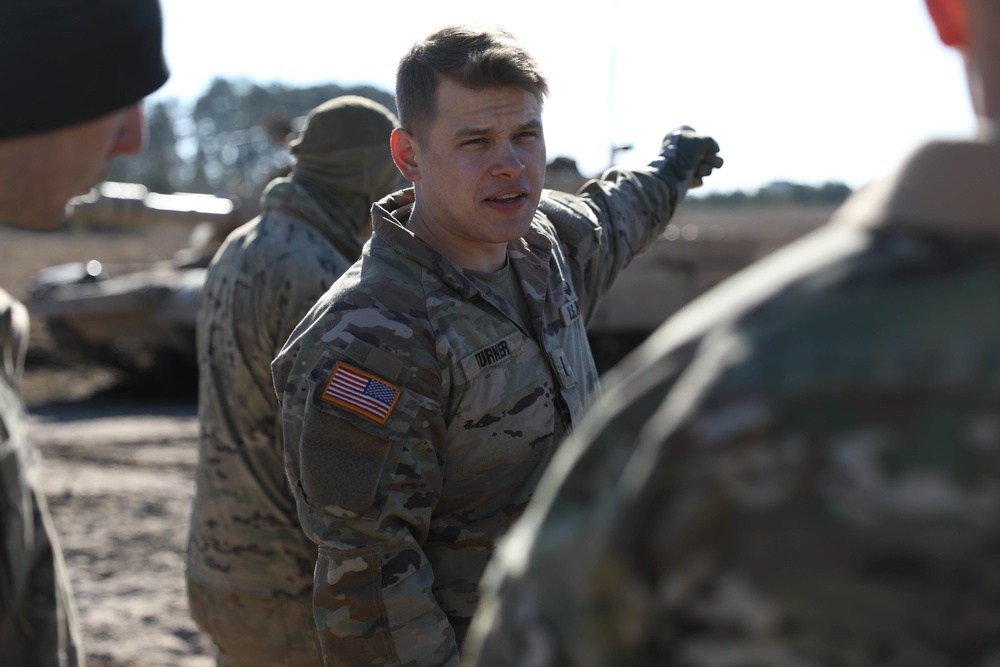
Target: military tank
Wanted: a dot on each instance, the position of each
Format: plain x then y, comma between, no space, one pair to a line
141,319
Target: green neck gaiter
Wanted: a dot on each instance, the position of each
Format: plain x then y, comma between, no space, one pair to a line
348,180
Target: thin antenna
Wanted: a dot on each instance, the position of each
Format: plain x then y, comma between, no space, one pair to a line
615,149
612,82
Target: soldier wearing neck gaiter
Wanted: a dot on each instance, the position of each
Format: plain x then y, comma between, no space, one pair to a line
249,566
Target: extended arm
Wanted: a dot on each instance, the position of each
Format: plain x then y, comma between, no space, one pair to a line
616,217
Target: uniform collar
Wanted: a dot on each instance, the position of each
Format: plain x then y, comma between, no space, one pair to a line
389,216
945,188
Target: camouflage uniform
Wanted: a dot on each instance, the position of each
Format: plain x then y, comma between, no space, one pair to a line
419,414
800,468
245,538
38,622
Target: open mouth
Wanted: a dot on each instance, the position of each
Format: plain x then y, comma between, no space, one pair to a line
511,198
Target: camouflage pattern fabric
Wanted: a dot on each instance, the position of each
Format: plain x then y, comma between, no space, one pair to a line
244,532
236,620
38,621
418,415
801,468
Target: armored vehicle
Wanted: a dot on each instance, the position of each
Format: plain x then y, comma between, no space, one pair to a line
137,318
141,319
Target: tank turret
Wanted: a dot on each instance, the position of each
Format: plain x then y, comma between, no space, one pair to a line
138,318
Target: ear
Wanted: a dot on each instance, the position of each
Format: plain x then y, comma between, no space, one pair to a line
405,150
949,18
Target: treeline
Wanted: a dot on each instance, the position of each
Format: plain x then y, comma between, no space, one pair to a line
774,193
233,140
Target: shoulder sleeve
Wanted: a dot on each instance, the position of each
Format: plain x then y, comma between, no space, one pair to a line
364,443
608,223
287,281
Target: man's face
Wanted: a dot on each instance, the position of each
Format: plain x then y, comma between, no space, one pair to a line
42,172
478,169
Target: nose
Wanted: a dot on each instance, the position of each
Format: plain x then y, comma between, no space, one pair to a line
131,133
508,161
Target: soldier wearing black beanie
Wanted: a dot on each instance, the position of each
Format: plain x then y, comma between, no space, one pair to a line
73,75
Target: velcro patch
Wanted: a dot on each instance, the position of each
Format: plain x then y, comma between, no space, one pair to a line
361,392
570,311
567,378
492,354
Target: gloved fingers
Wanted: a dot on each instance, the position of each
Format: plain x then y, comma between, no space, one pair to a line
705,167
689,155
707,164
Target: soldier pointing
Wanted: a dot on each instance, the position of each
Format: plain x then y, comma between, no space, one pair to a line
427,390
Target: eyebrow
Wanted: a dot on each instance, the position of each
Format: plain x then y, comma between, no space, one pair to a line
534,124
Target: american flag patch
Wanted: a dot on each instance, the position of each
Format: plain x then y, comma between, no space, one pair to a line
361,392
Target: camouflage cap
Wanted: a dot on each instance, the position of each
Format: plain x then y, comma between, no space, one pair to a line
343,123
69,61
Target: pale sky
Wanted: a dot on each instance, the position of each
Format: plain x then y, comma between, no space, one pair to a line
796,90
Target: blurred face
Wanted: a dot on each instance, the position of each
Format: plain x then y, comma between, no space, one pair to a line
41,172
477,171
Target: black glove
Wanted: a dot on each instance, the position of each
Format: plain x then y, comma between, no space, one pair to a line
689,156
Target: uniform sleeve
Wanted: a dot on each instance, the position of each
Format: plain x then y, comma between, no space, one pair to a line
608,223
364,456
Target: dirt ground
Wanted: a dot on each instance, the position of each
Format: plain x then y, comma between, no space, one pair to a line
118,470
118,475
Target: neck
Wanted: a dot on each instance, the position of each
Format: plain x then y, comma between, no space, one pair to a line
468,254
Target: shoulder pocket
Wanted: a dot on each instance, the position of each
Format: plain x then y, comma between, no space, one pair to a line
356,412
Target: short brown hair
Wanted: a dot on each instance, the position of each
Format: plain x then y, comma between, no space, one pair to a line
476,56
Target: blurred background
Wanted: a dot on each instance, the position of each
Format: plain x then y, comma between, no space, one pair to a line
794,92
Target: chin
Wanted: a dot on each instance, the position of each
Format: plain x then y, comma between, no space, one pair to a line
518,230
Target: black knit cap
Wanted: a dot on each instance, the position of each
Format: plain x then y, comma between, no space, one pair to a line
63,62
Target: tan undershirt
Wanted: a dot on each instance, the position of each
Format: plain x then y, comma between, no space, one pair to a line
505,283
